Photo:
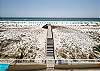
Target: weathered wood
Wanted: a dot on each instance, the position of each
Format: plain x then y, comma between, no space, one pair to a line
50,49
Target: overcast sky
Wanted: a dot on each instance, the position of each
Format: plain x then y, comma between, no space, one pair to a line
50,8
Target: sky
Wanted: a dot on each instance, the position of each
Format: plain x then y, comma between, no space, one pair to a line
50,8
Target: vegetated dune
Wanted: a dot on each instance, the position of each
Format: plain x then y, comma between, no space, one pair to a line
72,43
23,43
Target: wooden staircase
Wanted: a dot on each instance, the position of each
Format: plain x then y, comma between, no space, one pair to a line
50,50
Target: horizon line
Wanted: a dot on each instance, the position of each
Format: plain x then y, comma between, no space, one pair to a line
42,17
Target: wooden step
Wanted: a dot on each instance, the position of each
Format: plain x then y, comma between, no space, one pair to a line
50,49
50,46
50,54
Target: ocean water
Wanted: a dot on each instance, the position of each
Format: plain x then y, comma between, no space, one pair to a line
46,19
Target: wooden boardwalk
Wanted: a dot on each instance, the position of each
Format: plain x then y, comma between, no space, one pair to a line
50,49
